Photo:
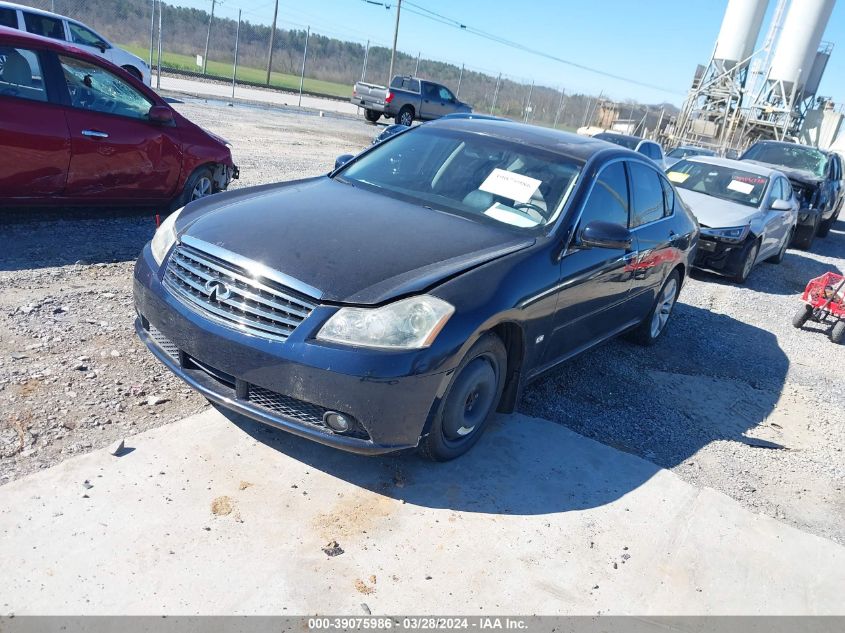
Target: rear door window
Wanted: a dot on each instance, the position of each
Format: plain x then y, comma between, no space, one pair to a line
8,17
44,25
648,196
20,75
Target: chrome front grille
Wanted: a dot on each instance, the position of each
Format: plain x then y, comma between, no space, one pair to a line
229,294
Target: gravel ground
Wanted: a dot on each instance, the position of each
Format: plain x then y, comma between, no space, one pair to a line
732,397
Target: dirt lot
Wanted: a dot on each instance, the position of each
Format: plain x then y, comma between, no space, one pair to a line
732,397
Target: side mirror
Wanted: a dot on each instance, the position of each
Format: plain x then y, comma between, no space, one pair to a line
780,205
598,234
102,46
160,114
341,160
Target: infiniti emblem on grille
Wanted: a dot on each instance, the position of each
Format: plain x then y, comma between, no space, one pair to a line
217,290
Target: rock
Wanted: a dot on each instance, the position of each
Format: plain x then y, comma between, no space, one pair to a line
18,356
332,548
154,400
365,608
116,448
87,485
115,354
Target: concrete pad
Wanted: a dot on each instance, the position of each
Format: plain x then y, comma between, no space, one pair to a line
536,519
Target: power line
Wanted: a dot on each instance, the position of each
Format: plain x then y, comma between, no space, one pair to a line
443,19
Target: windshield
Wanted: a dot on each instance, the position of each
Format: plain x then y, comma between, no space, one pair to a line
718,181
471,174
630,142
798,157
683,152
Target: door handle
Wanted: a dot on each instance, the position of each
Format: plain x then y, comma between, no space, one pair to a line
94,134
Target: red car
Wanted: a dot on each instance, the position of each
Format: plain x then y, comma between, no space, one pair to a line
77,130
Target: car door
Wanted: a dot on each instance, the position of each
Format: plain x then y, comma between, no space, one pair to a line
595,282
117,152
429,103
775,222
652,211
34,138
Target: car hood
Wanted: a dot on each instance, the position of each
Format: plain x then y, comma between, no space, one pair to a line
716,213
801,176
350,245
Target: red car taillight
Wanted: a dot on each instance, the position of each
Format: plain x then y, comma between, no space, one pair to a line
389,97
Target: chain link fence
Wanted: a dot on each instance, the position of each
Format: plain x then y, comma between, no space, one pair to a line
203,42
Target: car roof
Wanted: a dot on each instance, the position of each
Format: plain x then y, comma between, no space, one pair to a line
14,37
788,144
576,146
620,135
744,165
693,147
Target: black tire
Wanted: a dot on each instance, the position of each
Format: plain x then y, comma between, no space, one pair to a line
134,72
804,236
372,116
777,259
837,332
747,261
194,181
802,316
653,326
478,382
826,225
405,116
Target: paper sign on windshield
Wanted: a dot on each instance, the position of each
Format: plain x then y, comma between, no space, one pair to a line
510,185
677,176
741,187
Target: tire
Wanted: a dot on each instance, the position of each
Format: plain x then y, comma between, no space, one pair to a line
134,72
201,180
837,333
749,257
372,116
471,399
805,235
405,116
802,316
655,323
826,225
777,259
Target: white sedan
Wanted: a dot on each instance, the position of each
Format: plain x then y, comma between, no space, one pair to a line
747,212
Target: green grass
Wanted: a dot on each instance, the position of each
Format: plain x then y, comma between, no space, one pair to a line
223,70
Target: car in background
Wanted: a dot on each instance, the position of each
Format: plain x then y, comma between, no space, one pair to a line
408,99
59,27
817,178
78,130
402,299
747,213
686,152
392,130
652,150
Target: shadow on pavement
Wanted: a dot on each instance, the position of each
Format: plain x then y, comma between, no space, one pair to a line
643,401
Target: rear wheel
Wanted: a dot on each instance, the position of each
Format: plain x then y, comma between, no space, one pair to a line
655,323
134,72
747,261
372,116
405,116
802,316
470,401
837,334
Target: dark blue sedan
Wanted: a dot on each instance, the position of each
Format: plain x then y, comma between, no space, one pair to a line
402,299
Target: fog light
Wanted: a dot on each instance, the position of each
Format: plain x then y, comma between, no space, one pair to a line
336,421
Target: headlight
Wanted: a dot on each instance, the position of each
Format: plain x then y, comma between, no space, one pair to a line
164,237
411,323
734,234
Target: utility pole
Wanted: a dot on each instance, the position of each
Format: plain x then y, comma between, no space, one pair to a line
158,72
559,104
366,56
528,102
304,57
208,37
495,94
417,69
235,64
395,38
460,79
152,32
272,42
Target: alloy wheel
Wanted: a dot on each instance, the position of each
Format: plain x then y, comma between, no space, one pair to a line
201,189
664,307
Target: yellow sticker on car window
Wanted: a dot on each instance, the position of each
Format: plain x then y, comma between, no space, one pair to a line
677,176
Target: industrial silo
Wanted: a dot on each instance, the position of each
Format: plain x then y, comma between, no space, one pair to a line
799,42
739,31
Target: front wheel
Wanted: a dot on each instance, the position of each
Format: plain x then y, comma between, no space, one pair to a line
804,235
470,401
749,258
837,334
802,316
655,323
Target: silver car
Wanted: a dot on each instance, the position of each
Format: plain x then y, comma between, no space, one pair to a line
747,212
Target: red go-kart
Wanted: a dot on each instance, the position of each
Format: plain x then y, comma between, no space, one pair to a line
824,300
